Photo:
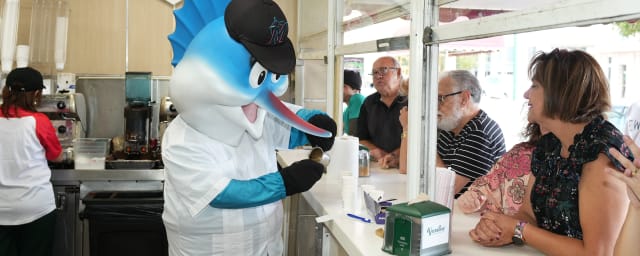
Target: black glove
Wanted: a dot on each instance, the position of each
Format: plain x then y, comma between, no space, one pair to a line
300,176
325,122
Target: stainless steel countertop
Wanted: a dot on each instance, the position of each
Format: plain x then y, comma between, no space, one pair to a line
61,175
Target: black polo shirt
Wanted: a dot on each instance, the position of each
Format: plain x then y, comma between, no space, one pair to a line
380,124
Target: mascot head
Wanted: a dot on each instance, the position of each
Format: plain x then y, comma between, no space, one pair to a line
231,63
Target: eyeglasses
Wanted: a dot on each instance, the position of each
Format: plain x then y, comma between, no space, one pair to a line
441,98
382,71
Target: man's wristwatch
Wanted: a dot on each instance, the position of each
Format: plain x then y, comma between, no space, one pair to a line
518,238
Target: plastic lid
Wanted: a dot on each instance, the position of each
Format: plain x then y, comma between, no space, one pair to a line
59,66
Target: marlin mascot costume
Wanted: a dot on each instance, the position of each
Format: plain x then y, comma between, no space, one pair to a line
223,188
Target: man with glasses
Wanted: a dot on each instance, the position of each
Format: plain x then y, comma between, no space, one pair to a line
378,126
469,141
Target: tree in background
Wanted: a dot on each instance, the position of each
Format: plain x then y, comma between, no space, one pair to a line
628,28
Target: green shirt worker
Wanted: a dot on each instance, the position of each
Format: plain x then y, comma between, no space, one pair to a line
353,99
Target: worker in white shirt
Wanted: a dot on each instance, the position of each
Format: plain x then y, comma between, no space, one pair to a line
27,141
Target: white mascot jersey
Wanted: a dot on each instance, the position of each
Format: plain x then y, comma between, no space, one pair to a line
225,87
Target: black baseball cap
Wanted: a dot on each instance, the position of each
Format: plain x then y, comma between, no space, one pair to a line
260,25
352,78
25,80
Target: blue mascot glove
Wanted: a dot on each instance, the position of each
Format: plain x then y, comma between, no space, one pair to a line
300,176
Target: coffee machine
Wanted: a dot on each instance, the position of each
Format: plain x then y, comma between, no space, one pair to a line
137,114
67,113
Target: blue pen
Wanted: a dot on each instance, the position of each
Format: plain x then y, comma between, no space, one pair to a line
363,219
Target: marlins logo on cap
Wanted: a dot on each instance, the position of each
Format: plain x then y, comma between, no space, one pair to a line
260,25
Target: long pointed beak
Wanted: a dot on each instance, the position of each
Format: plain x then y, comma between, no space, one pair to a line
271,103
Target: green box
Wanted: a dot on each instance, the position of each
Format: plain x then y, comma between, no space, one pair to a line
418,229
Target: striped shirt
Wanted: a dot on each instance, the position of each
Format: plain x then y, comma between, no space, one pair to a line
472,152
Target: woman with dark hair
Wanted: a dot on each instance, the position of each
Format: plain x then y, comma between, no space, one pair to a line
27,204
574,206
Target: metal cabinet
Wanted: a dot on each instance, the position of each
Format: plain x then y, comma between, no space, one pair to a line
68,232
306,236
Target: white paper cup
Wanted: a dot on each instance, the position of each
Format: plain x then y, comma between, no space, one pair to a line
22,56
350,199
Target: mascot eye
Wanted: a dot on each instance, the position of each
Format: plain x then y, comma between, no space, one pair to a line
275,78
257,75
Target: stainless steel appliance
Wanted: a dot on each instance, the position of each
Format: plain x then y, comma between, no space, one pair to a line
67,113
69,230
137,114
167,110
68,127
167,113
65,103
137,120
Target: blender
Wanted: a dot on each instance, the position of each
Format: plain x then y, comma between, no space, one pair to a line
137,114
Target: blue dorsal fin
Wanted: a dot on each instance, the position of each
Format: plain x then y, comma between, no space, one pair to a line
190,19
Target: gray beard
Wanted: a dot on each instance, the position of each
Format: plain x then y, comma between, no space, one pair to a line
448,123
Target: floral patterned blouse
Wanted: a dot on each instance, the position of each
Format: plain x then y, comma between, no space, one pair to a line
505,185
555,194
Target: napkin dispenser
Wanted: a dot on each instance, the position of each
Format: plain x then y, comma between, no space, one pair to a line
418,229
